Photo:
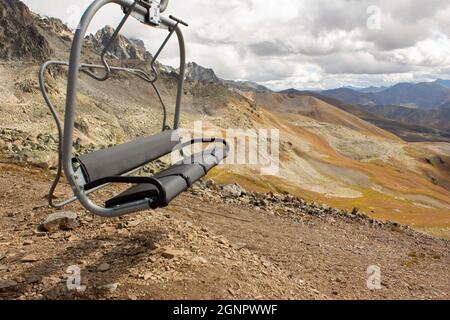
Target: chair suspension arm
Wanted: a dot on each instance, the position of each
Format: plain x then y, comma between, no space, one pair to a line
58,127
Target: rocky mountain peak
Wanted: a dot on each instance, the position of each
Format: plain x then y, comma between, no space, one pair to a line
138,43
20,37
195,72
122,48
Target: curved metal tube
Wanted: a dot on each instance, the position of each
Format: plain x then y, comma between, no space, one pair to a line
54,113
183,145
205,152
58,127
181,74
70,109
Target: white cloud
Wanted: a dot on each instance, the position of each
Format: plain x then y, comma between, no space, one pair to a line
302,44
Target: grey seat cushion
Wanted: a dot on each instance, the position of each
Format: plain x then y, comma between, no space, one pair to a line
173,185
123,158
190,172
174,180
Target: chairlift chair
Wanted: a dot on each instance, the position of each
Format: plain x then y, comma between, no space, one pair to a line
116,165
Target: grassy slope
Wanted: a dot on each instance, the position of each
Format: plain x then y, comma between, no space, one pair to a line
406,191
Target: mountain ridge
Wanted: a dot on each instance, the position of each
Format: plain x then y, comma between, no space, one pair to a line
423,95
17,19
134,49
433,123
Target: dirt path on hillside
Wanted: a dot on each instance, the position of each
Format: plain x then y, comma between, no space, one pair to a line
198,248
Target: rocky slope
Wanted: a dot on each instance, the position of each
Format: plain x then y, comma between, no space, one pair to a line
17,28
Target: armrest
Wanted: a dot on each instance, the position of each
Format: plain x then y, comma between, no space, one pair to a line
183,145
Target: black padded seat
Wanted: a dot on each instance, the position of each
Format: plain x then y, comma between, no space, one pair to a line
174,180
173,185
123,158
190,172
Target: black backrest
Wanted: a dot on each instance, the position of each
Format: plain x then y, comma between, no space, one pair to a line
126,157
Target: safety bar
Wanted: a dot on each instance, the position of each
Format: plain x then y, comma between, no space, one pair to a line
205,152
184,144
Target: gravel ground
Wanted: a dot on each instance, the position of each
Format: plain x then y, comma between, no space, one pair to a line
212,242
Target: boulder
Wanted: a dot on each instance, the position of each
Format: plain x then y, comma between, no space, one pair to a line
30,258
173,253
8,286
111,287
232,190
104,267
64,220
435,160
211,184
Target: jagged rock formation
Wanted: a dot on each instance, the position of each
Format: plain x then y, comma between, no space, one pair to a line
194,72
56,27
122,48
17,28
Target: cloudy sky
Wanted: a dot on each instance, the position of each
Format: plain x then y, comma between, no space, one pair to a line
305,44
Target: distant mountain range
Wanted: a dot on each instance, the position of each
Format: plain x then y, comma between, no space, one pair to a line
134,49
383,106
420,106
408,123
445,83
424,95
369,89
434,118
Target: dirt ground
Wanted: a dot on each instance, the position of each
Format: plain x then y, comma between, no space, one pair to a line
198,248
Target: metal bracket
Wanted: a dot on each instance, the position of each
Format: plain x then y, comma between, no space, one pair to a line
153,16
